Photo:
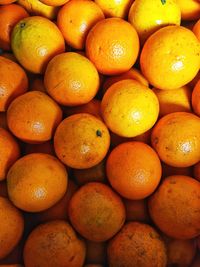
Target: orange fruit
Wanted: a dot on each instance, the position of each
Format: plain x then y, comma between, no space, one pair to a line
174,100
11,226
54,244
10,15
95,252
81,141
14,82
66,82
32,181
112,45
35,41
46,147
196,29
195,98
168,208
190,9
196,171
33,117
176,139
54,2
75,28
137,244
170,57
133,170
129,108
96,212
6,2
9,150
115,8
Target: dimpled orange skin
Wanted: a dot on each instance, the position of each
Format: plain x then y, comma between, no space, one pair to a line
66,80
175,206
137,244
14,82
35,41
54,244
195,98
96,212
75,28
9,150
81,141
176,139
129,108
112,45
170,58
196,29
33,117
11,226
32,181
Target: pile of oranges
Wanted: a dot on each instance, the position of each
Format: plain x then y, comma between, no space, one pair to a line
100,133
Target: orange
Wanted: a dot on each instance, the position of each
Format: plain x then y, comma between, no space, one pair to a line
149,16
54,244
136,210
46,147
112,45
170,58
174,100
95,252
195,98
190,9
137,244
9,150
33,117
174,207
6,2
115,8
75,28
14,82
66,81
196,29
196,171
133,170
11,226
54,2
176,139
32,181
10,15
35,41
96,212
129,108
81,141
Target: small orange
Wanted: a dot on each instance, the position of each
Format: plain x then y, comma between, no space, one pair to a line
176,139
54,244
35,41
196,29
9,151
81,141
134,170
66,81
195,98
95,252
6,2
75,28
190,9
96,212
54,2
10,15
11,226
14,82
32,181
129,108
33,117
175,207
137,244
170,57
112,45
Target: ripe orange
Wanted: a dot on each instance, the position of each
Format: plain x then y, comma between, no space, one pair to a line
170,57
10,15
95,252
195,98
66,80
176,139
81,141
75,28
54,244
14,82
129,108
6,2
54,2
96,212
112,45
190,9
32,181
33,117
11,226
174,207
137,244
196,29
35,41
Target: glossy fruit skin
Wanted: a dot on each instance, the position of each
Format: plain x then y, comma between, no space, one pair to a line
170,57
196,29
